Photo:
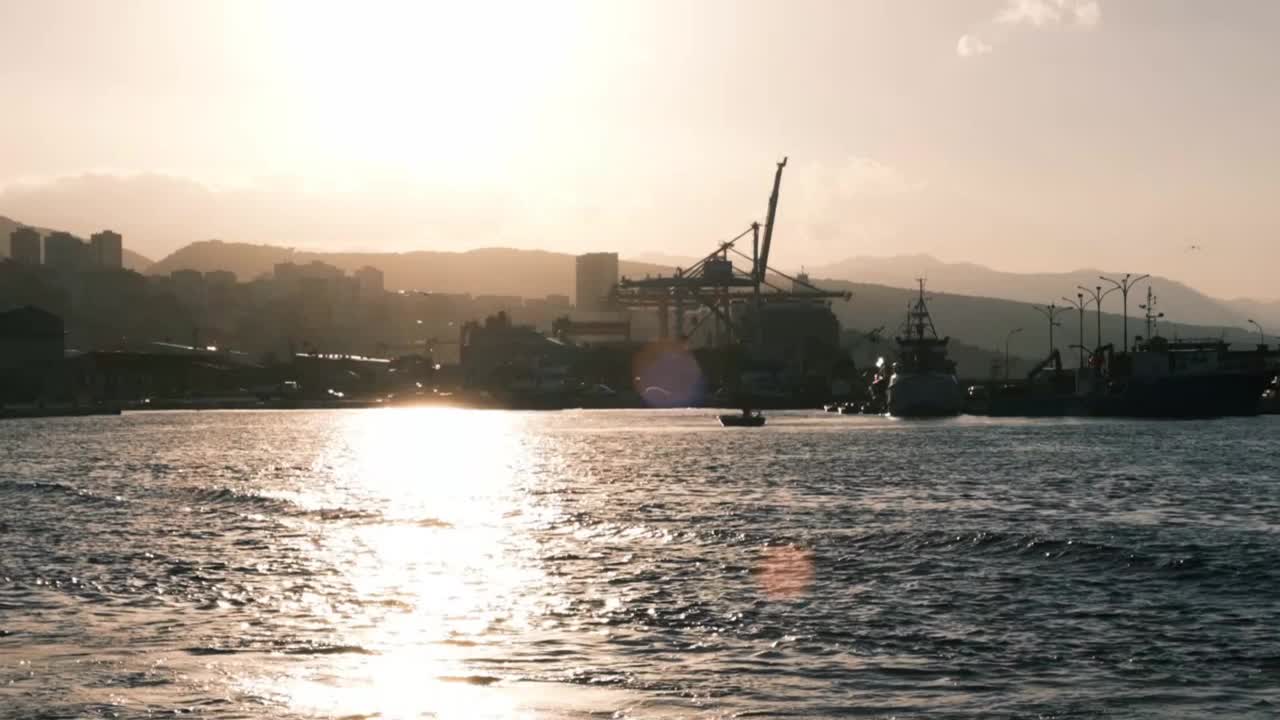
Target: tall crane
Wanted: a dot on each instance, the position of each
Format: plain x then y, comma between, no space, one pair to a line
715,284
762,262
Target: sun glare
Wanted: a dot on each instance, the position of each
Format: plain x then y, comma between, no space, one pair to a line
442,565
403,84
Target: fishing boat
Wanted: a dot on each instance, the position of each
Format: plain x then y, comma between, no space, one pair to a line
923,383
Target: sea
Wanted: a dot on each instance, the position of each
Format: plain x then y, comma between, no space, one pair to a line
449,563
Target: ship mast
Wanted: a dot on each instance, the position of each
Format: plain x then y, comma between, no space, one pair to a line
918,318
1151,315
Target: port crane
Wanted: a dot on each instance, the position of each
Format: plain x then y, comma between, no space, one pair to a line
714,285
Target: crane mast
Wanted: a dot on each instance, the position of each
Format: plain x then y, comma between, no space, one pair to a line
762,263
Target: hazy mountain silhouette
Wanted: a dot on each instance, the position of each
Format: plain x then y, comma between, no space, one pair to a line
1266,312
1176,300
986,322
493,271
977,320
131,259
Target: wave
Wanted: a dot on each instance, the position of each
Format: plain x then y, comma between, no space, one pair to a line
304,649
42,488
283,507
470,679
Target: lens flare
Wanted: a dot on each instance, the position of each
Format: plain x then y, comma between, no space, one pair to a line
667,375
785,572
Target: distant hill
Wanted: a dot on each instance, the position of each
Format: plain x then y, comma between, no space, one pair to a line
1266,312
132,260
1176,300
978,320
496,271
985,322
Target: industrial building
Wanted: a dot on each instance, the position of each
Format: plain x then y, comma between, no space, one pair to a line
31,348
500,355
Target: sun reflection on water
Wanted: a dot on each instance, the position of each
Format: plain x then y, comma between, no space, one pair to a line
444,566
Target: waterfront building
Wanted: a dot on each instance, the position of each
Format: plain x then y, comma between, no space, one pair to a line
32,343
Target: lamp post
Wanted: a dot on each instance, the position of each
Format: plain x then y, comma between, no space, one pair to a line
1124,285
1262,337
1097,295
1012,332
1051,312
1079,304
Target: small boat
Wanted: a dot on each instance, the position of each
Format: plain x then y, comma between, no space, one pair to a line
746,418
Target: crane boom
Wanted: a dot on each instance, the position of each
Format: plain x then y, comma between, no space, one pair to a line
762,267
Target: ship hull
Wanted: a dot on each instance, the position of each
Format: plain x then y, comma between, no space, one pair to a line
1215,395
924,395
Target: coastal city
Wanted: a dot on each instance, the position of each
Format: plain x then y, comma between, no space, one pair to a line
640,360
85,335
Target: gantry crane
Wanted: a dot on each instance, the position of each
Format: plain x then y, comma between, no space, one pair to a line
715,284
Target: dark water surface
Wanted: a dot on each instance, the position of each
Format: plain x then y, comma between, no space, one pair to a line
468,564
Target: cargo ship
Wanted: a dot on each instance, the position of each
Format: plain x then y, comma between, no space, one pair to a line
1174,379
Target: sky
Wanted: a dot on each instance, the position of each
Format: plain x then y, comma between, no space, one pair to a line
1026,135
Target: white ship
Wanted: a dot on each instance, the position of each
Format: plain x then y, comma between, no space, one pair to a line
924,382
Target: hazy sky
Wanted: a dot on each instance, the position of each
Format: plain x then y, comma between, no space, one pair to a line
1025,135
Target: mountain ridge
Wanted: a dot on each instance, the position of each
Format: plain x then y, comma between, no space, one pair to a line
1176,299
980,318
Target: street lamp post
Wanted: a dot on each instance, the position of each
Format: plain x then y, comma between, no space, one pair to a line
1012,332
1262,337
1051,312
1124,285
1097,295
1079,304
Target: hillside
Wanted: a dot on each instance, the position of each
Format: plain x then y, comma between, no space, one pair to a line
985,322
1177,300
132,260
975,319
496,271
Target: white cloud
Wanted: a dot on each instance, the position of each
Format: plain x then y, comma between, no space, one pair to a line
971,45
1050,12
1088,14
1033,13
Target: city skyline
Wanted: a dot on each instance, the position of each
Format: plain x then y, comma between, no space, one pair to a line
1036,135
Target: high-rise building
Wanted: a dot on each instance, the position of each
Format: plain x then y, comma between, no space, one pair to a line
107,250
370,283
597,274
64,251
24,246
